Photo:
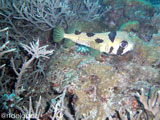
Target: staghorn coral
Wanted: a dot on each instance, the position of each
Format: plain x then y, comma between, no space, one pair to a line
128,116
43,14
18,30
46,14
30,113
151,101
2,51
36,52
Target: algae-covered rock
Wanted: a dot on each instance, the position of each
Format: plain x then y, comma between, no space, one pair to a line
148,52
156,20
98,86
156,38
139,10
130,26
143,3
94,90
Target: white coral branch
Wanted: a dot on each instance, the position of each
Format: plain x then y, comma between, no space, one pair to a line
2,51
30,113
36,51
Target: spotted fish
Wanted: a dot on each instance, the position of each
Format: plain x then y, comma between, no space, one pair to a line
114,42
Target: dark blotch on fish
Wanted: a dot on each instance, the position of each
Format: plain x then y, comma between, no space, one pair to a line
120,50
77,32
112,35
98,40
111,49
90,34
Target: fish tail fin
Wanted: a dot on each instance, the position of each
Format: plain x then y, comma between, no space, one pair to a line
58,34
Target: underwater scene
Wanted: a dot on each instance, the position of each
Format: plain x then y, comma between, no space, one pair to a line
79,59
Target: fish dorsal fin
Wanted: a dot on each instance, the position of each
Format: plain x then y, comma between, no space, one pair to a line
74,27
77,32
112,35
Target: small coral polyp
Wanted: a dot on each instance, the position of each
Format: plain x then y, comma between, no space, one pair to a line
82,49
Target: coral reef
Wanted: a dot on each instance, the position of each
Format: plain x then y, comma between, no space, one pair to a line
98,90
77,82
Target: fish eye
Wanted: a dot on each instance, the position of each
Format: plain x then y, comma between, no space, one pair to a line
124,43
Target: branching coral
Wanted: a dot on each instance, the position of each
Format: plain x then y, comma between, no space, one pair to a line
128,116
2,51
36,52
58,105
57,109
30,113
46,14
4,46
151,101
7,19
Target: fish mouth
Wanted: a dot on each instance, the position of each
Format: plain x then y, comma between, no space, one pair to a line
129,51
121,49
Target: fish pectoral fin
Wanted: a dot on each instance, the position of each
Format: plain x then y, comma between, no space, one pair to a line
94,45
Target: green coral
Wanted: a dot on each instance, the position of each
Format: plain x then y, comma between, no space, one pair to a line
9,98
82,49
